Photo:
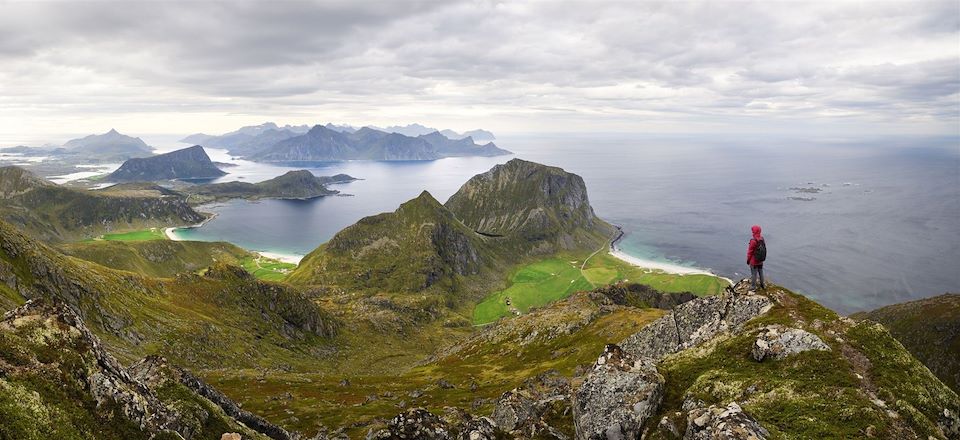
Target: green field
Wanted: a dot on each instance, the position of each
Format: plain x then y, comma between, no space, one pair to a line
267,268
546,281
141,235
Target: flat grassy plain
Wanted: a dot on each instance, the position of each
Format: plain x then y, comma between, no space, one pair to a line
141,235
267,269
546,281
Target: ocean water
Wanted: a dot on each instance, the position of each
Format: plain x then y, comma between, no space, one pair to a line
854,224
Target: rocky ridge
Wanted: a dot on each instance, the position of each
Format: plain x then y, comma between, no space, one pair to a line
47,350
706,379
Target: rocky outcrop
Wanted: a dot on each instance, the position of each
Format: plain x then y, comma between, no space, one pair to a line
54,326
533,207
532,409
695,322
157,372
416,423
777,342
730,422
617,397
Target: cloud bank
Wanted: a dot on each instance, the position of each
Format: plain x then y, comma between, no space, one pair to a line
509,66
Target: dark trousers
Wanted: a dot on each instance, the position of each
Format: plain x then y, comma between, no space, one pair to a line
754,270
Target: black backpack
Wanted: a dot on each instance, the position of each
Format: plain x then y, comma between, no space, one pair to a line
760,252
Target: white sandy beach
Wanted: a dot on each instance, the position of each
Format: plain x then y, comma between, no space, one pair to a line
662,266
286,258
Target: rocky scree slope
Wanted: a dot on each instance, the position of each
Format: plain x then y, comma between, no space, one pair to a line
58,381
739,366
54,213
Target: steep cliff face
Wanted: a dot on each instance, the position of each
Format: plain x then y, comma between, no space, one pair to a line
58,381
532,206
54,213
188,163
930,329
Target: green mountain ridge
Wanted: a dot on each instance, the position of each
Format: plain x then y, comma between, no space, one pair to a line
424,245
930,329
55,213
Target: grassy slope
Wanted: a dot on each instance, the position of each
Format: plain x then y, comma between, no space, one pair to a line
496,360
545,281
224,317
148,252
930,329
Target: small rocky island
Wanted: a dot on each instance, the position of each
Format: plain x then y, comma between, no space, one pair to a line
188,163
299,184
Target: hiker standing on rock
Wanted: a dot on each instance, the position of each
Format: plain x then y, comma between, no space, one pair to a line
756,253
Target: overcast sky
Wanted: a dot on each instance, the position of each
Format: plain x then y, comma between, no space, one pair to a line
182,67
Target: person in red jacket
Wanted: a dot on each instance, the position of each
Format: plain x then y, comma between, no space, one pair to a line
755,258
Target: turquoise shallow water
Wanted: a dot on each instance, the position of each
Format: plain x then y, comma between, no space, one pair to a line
874,223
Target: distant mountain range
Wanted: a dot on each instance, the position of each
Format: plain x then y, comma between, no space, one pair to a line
322,144
270,143
109,146
188,163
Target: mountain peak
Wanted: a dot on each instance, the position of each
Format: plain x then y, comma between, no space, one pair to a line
112,131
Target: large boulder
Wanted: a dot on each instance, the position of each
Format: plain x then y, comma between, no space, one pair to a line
617,397
777,342
723,423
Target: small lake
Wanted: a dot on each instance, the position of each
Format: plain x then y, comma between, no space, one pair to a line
854,224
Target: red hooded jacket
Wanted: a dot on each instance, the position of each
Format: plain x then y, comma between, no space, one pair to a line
753,245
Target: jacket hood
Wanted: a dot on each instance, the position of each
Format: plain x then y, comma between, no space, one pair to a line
756,231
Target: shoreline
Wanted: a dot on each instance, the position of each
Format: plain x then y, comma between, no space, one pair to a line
666,267
170,233
286,258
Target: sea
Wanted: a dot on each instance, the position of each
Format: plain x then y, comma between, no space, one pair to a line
852,223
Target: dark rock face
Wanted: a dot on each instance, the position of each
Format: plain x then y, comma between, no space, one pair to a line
728,422
539,208
617,396
695,322
778,342
188,163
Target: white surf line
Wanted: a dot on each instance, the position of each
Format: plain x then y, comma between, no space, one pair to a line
172,234
665,267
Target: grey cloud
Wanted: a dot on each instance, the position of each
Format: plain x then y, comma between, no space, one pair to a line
672,58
